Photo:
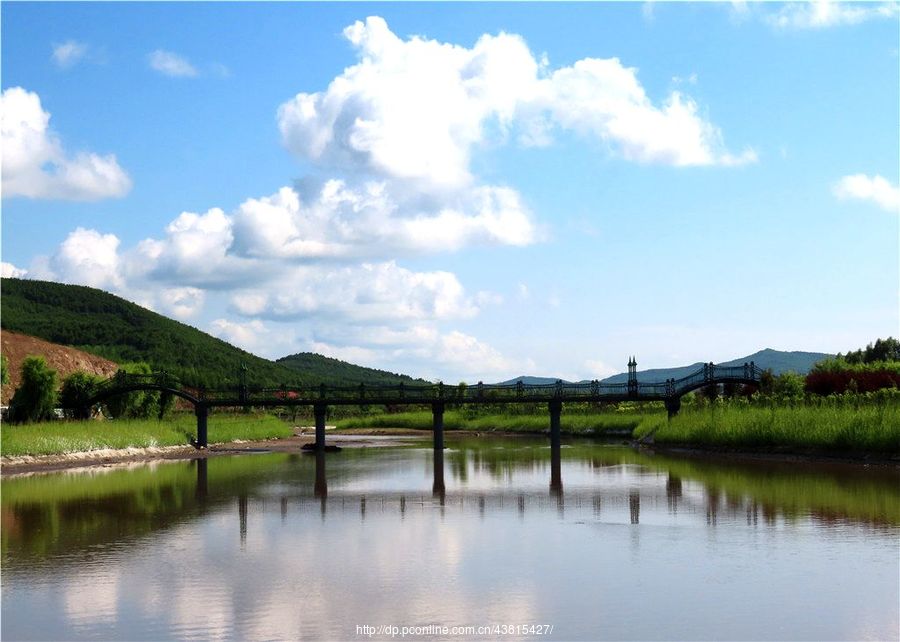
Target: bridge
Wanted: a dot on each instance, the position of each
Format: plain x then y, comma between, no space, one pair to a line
438,395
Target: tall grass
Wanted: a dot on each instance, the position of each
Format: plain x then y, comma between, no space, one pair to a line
576,424
831,428
61,437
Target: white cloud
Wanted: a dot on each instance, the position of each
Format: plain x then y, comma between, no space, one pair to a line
420,349
875,189
171,64
182,303
10,271
412,110
249,335
341,222
522,291
368,293
69,53
821,14
466,354
35,165
87,257
598,369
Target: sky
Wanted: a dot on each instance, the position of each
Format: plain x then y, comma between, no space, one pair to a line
465,191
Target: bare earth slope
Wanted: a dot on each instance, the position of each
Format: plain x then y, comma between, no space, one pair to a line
63,359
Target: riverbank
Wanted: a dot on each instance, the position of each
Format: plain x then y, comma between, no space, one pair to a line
17,465
65,437
867,434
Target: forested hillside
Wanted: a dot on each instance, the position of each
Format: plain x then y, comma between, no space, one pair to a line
111,327
319,367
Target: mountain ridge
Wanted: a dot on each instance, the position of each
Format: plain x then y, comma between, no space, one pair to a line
779,361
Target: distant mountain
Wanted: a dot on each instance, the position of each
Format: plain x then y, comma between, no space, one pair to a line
530,381
103,324
776,360
315,366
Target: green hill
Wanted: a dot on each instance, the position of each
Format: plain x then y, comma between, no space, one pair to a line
325,368
111,327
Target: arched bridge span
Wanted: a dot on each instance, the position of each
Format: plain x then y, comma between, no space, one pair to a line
437,395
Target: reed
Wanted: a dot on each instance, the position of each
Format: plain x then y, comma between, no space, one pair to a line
874,428
574,424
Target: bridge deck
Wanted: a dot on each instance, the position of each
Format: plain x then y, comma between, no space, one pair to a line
403,394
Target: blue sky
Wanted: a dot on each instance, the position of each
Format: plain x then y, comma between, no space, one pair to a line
465,191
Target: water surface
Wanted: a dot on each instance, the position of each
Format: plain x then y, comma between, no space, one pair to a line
603,542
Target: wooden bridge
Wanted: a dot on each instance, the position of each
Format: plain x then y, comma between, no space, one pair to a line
438,395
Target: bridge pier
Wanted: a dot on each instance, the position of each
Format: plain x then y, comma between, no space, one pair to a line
201,489
202,413
319,410
555,411
320,488
673,405
438,489
437,415
555,471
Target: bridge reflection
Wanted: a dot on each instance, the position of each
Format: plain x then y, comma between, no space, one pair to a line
483,501
45,518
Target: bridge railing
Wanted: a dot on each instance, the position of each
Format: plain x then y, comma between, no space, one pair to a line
439,392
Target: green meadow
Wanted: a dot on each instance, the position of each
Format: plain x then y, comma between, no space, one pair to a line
61,437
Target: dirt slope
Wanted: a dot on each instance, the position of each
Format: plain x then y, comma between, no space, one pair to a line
63,359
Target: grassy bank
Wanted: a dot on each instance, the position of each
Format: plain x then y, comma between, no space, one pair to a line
874,428
871,427
574,424
60,437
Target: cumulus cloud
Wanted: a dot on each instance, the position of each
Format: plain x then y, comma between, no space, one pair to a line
196,252
412,110
10,271
821,14
35,164
377,313
69,53
597,369
171,64
250,335
87,257
343,222
182,303
875,189
422,347
367,293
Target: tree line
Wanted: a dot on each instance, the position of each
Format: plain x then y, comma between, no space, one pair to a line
40,394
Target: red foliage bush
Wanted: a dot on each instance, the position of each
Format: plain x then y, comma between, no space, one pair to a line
838,381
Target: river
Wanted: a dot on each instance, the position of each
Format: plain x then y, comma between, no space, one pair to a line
603,542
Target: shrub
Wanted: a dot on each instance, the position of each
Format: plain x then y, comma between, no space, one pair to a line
76,393
35,398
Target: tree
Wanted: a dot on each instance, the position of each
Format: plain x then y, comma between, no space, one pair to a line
789,385
35,398
4,369
76,392
140,404
882,350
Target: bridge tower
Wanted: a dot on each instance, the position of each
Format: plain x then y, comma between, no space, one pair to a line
632,377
